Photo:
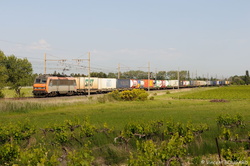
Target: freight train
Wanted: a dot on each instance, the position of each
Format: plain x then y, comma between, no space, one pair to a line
49,86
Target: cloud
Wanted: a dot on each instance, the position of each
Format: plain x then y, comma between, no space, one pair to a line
40,45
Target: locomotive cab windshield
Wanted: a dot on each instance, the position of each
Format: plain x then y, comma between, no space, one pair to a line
40,81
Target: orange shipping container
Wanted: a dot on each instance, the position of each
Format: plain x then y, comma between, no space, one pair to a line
148,84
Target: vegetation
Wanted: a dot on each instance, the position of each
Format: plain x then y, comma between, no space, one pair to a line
15,73
166,130
19,73
228,93
240,80
3,73
10,93
127,95
173,75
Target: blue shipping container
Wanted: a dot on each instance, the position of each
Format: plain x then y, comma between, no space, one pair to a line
122,83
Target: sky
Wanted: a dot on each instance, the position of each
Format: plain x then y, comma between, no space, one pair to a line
206,37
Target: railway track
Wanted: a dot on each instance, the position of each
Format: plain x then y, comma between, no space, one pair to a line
160,92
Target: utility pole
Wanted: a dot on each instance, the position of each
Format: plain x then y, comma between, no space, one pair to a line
45,61
89,74
155,74
208,79
80,60
178,75
196,74
119,71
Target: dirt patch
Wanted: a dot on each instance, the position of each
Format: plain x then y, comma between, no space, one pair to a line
219,101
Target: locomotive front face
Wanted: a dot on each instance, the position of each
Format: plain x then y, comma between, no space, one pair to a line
39,87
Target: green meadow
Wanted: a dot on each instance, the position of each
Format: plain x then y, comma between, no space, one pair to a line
184,106
25,91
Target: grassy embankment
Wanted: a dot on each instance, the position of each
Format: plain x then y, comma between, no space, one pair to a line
193,105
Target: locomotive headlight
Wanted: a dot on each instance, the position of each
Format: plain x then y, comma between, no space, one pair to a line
39,87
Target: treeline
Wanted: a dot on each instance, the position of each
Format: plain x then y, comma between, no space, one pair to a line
138,74
240,80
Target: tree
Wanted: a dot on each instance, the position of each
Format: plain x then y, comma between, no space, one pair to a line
188,75
184,75
3,73
161,75
135,74
77,75
173,75
19,72
98,74
238,80
247,77
112,75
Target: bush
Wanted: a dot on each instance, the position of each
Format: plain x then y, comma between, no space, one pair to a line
1,94
114,95
143,97
102,99
8,153
128,95
135,94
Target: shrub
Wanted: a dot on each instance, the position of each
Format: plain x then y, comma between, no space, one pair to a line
1,94
21,94
115,95
135,94
151,98
143,96
8,153
102,99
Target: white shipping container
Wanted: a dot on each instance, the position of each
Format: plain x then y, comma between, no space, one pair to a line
201,83
166,83
107,83
159,83
186,83
173,83
134,83
82,82
209,83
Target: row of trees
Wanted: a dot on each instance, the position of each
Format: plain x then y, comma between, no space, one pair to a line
138,74
240,80
14,73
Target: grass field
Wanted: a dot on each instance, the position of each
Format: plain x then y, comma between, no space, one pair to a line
192,105
228,93
9,93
